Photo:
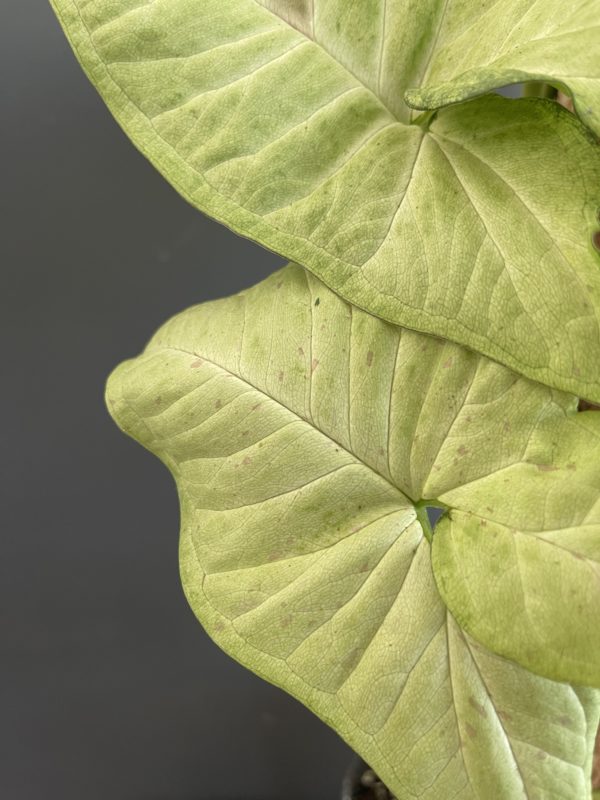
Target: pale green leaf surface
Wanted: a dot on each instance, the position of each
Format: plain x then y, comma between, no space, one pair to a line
537,554
513,41
290,127
300,432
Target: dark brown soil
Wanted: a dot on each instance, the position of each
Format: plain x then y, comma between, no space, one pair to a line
585,406
367,786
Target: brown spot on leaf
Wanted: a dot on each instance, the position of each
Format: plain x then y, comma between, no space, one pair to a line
314,365
197,363
157,400
258,405
448,363
462,450
477,706
218,403
247,461
566,722
280,376
369,358
572,466
547,468
300,351
504,715
471,732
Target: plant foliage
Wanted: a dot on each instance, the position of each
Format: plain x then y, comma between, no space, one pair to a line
433,354
286,120
304,437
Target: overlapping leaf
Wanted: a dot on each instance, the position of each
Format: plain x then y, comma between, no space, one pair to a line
286,121
533,546
301,432
509,41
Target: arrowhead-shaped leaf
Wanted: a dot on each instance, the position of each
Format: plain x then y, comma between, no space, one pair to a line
286,121
302,433
511,41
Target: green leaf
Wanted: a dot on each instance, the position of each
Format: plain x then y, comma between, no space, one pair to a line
301,432
513,41
475,225
532,546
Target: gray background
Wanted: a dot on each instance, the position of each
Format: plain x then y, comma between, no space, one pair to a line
110,688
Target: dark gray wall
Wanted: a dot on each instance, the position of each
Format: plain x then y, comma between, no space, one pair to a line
110,688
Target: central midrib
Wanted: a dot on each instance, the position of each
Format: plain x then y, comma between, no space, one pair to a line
417,82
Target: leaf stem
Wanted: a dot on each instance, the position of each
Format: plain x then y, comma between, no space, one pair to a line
425,524
423,517
539,89
425,119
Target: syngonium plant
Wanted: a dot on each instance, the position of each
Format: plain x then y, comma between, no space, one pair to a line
431,351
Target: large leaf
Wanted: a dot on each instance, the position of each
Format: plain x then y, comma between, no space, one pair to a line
301,432
509,41
291,128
